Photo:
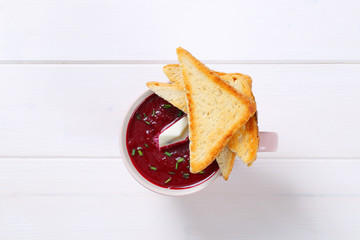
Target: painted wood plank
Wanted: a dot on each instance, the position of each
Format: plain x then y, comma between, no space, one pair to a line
67,198
151,30
76,110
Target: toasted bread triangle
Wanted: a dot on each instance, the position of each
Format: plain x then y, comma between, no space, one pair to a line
215,110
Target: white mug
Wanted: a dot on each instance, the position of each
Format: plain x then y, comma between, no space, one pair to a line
268,143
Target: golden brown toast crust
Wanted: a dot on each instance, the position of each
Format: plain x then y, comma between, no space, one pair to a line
198,165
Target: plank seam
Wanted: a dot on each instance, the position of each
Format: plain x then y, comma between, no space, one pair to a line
119,62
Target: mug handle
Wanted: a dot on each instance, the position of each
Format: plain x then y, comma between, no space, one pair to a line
268,142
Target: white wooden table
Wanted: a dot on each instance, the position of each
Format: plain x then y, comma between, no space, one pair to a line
69,70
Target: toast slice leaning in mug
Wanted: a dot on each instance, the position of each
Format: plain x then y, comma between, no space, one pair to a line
215,110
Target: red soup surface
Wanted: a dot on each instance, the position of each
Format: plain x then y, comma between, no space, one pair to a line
168,168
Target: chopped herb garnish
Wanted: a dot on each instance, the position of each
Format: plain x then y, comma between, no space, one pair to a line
145,115
201,172
171,173
186,175
140,152
180,113
179,160
168,180
153,168
146,145
148,123
167,106
137,116
133,152
187,166
139,148
167,154
153,112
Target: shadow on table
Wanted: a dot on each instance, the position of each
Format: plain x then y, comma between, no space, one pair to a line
252,204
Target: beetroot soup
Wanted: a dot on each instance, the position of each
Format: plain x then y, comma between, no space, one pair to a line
168,167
